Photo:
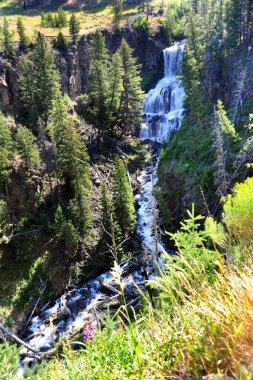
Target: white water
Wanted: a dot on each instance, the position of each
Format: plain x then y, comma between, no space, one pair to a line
163,112
164,105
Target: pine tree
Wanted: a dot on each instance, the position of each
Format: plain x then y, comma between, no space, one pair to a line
66,232
99,50
99,84
27,147
8,44
6,152
193,71
24,41
72,163
234,19
39,79
115,85
62,18
106,204
112,235
123,199
61,42
74,28
132,95
117,12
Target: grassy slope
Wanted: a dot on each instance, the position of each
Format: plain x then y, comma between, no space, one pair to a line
90,18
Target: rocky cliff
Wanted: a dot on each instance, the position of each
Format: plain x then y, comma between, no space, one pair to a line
74,64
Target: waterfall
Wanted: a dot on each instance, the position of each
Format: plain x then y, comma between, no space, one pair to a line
163,105
162,112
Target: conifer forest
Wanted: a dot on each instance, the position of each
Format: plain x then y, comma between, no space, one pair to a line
126,189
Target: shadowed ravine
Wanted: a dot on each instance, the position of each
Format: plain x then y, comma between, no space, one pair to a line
163,112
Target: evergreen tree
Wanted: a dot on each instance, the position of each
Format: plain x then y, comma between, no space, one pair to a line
62,18
24,41
72,163
8,44
74,28
66,232
132,94
112,235
27,147
115,85
99,84
39,80
193,71
117,12
123,199
61,42
106,204
6,152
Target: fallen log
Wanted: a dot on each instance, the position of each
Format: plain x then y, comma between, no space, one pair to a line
17,339
33,310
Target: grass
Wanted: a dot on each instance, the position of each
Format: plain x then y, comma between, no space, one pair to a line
90,19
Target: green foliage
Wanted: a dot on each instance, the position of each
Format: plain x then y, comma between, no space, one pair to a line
61,42
6,152
51,20
227,128
39,80
100,83
142,23
132,95
7,40
117,14
112,234
123,199
193,70
66,232
238,216
9,359
5,224
72,162
74,28
190,241
27,147
115,91
24,41
185,170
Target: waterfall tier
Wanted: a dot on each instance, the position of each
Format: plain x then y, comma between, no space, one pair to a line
163,105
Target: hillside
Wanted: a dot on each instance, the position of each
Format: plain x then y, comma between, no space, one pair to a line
126,193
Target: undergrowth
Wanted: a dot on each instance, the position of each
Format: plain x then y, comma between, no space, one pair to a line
203,320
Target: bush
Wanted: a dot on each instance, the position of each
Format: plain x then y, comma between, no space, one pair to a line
9,360
238,216
142,23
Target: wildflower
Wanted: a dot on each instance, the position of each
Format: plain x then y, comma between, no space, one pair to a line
89,331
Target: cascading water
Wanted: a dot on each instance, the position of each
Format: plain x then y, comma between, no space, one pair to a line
163,112
163,106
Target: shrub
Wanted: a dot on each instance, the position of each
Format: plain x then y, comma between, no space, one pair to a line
9,359
238,217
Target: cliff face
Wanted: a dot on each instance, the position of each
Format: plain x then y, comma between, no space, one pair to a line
74,64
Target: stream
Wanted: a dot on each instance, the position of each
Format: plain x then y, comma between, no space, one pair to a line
162,113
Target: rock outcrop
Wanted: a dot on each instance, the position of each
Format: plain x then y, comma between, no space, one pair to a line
74,64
